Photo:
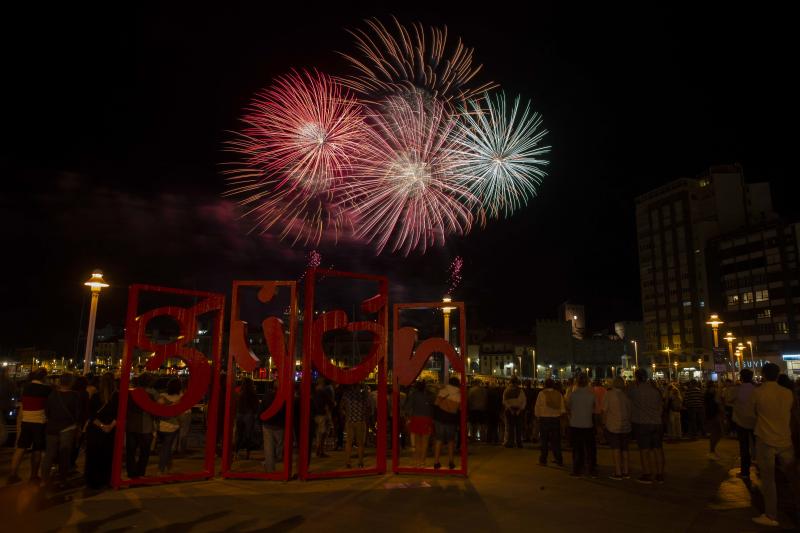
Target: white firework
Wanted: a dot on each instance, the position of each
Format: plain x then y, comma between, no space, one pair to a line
500,153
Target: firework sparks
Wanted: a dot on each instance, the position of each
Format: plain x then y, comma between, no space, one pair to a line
407,194
301,137
411,61
455,272
500,154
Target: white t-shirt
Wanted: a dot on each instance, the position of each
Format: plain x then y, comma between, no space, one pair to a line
617,407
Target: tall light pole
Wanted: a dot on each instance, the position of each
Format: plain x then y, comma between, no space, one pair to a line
636,352
752,358
730,338
535,373
669,362
446,313
95,283
715,323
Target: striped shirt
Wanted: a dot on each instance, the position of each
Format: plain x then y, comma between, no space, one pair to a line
34,398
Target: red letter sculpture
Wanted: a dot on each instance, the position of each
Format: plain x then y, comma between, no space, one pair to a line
239,353
203,374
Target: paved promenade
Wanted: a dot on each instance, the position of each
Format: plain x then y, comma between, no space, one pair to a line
506,491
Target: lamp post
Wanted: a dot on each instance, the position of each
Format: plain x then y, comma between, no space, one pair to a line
654,370
715,323
700,362
95,283
730,338
669,375
446,313
675,364
752,359
535,372
636,351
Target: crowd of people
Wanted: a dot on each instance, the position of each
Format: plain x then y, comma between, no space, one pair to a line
62,417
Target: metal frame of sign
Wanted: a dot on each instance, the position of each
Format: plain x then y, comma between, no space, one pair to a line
314,358
408,363
204,375
239,354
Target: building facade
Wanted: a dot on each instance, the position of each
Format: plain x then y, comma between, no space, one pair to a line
674,224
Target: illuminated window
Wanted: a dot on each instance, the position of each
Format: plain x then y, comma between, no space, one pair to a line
781,327
762,295
733,299
747,297
764,313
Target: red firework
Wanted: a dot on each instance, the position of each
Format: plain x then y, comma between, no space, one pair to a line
407,194
300,140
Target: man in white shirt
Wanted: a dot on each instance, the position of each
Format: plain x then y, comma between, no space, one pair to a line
772,406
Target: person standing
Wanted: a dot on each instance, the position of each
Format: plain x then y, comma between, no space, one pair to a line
599,394
744,419
168,427
772,407
246,412
273,430
31,425
617,423
674,406
549,409
714,418
139,431
514,405
477,400
580,406
695,409
61,411
356,407
419,407
445,421
322,405
100,433
7,393
646,411
494,399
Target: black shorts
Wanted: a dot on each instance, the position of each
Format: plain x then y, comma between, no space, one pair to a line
32,435
649,436
618,441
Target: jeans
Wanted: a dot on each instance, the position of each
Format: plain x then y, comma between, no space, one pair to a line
766,463
584,449
165,455
59,446
550,435
137,442
273,446
696,420
745,444
513,435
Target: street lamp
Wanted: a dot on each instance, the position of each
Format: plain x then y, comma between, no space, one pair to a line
715,323
654,370
675,364
446,312
752,360
730,338
95,283
668,350
636,351
700,362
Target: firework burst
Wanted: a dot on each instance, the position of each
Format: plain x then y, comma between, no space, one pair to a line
500,153
455,274
300,139
411,61
407,194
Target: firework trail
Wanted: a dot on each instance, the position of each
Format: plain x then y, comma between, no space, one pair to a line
300,139
500,153
455,273
314,261
406,194
410,61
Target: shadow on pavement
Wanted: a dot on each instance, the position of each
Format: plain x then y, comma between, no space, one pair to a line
187,525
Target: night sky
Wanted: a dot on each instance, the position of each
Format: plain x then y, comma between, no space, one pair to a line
114,122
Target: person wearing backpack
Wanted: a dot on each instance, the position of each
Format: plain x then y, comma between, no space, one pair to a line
168,427
445,421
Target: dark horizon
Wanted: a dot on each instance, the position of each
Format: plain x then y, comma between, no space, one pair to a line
117,121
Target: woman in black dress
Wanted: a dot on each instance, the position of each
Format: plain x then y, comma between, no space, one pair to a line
100,433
